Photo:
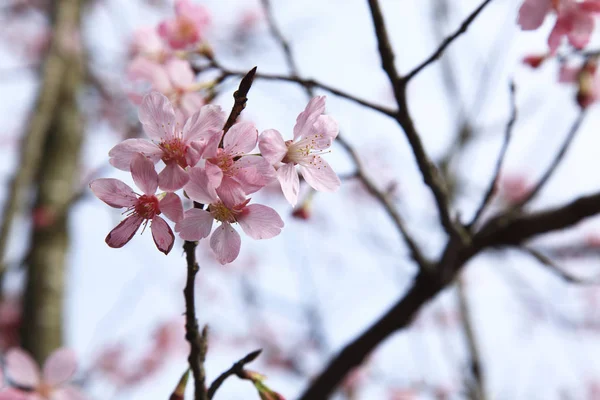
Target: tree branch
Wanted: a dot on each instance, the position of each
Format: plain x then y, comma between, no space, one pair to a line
236,369
447,42
507,136
555,163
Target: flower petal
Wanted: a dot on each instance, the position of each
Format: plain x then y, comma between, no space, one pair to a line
196,225
271,145
180,72
253,173
226,243
326,129
307,118
162,234
582,26
14,394
240,139
143,173
157,116
123,232
214,173
290,184
532,13
172,178
67,392
113,192
231,192
59,367
260,222
199,188
204,124
122,154
21,368
171,206
321,178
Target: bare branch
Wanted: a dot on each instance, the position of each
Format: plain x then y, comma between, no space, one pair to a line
447,42
236,369
507,136
555,269
555,163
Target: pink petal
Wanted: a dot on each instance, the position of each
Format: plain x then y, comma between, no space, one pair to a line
122,154
211,147
123,232
306,119
194,153
21,368
590,6
271,145
290,184
326,129
240,139
157,116
226,243
560,29
190,103
113,192
171,206
214,173
260,222
253,173
59,367
199,188
180,72
582,28
204,124
141,68
14,394
532,13
196,225
143,173
321,178
193,11
172,178
162,234
568,74
67,392
231,192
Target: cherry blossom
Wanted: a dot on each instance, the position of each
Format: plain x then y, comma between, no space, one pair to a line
188,26
140,208
177,148
231,167
148,44
50,384
313,134
227,207
175,79
587,80
575,20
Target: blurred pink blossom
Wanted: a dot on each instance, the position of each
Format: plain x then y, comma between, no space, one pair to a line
188,26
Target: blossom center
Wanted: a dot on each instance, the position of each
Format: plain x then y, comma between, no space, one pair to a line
186,30
305,152
44,390
221,213
147,206
174,151
225,162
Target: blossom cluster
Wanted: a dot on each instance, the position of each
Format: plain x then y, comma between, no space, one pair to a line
216,169
29,383
574,23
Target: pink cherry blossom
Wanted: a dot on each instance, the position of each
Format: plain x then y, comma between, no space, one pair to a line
177,148
313,135
50,383
227,207
231,166
140,208
575,20
587,80
148,44
188,26
175,79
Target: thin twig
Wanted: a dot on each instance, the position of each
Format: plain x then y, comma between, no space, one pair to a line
447,42
555,269
507,136
240,98
429,171
236,369
555,163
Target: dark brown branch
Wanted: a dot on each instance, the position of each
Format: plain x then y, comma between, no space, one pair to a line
429,171
236,369
447,42
310,83
507,136
192,334
240,98
555,163
557,270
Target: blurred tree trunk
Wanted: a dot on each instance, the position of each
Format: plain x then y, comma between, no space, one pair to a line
56,184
